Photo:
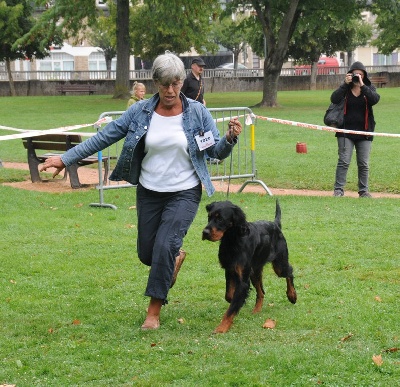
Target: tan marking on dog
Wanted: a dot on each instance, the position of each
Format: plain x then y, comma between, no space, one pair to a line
230,292
215,235
291,291
259,299
225,324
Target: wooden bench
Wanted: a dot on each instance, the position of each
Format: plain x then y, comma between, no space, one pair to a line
379,80
76,88
59,143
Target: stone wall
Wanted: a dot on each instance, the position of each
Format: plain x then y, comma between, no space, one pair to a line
286,83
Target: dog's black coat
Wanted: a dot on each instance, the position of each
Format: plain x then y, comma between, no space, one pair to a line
245,247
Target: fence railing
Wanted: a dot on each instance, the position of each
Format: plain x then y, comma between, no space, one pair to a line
146,74
240,165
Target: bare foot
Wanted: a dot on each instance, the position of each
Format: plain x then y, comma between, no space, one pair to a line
151,323
153,314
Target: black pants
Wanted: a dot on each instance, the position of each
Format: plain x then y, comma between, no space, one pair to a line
163,221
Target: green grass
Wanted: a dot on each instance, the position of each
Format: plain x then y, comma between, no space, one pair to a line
71,298
277,162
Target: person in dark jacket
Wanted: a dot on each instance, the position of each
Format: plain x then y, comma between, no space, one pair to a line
360,96
193,85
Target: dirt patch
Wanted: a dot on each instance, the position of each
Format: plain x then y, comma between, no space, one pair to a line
90,177
87,176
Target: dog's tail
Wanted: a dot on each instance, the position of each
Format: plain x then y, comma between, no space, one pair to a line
278,214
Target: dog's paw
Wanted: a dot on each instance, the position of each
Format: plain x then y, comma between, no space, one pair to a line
220,329
292,295
257,309
224,325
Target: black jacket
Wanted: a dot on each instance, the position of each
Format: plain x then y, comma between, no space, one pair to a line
370,96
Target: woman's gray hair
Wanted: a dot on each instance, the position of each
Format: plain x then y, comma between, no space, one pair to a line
168,68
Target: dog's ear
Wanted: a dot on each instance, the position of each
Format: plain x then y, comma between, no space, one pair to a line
210,206
239,220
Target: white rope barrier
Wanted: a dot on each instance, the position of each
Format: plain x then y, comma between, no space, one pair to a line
325,128
61,130
249,119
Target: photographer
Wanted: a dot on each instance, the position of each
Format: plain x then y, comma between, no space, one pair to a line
360,97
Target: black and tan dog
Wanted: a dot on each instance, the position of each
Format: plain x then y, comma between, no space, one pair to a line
245,247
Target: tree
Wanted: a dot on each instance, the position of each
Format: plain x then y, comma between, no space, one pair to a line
278,20
230,34
387,21
72,18
324,33
177,26
16,20
359,33
103,35
123,50
157,25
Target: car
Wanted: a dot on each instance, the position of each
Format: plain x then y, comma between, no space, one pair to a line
325,66
228,70
230,66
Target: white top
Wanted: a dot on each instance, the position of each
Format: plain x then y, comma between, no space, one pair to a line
166,166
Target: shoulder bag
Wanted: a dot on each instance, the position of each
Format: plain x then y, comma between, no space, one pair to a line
334,116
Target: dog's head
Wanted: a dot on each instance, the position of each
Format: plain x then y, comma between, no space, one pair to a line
223,217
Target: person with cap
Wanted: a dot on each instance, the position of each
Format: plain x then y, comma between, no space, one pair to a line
193,85
360,95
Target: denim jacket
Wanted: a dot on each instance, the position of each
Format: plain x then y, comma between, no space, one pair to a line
133,125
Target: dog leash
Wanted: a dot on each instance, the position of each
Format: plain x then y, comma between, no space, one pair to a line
230,166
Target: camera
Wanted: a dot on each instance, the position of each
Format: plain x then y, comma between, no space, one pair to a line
355,78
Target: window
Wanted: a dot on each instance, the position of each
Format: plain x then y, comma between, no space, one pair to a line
386,60
58,61
97,61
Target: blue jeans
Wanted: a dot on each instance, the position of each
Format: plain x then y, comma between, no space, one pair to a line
163,221
345,151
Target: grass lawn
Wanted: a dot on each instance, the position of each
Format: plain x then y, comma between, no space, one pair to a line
277,162
71,298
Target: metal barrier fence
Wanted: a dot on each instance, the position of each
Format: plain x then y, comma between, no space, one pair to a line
240,165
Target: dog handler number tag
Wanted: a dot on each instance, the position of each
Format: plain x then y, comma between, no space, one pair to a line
205,140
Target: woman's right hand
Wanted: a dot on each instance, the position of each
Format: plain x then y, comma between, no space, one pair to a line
349,77
53,162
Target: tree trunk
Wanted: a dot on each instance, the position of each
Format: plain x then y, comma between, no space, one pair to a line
276,46
313,80
123,50
235,59
270,89
10,79
108,65
272,71
349,58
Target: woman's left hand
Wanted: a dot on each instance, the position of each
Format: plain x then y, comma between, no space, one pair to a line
235,128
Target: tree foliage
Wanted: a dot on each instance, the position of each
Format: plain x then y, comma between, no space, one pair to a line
71,19
177,26
16,20
103,34
279,20
65,18
326,36
387,21
230,34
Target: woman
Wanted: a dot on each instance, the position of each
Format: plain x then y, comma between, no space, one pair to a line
167,138
138,93
360,97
